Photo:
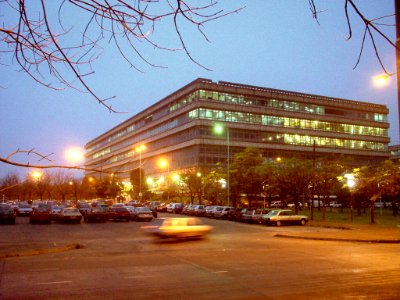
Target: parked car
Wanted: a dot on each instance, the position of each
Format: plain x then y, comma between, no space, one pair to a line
24,210
291,205
162,207
224,212
276,204
335,204
133,203
119,213
41,214
175,208
283,216
198,210
70,215
7,214
55,211
235,214
96,215
188,227
254,216
83,207
178,207
187,209
210,210
142,214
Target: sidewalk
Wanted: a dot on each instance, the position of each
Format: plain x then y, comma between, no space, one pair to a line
346,232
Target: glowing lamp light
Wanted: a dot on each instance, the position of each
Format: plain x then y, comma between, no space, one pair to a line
36,175
74,155
163,163
350,180
140,148
381,81
176,177
218,128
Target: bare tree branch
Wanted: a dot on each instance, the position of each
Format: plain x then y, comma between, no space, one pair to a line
40,44
371,31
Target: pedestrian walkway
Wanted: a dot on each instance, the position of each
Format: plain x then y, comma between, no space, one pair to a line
348,232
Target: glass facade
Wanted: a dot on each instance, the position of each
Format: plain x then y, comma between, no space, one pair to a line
277,118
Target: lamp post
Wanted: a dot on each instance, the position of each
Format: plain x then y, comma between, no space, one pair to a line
140,149
219,129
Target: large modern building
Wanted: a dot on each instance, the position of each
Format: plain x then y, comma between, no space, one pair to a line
179,129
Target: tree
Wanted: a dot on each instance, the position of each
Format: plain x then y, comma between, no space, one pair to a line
294,177
388,180
269,184
10,187
326,179
194,183
245,173
214,191
61,186
138,181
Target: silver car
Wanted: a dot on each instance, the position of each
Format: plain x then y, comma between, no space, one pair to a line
142,214
283,216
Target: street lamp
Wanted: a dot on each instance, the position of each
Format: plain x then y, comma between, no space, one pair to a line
140,149
382,80
74,155
219,129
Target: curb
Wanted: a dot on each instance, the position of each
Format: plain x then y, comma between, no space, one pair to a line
373,241
43,251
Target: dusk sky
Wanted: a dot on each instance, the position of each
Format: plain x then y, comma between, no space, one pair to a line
273,44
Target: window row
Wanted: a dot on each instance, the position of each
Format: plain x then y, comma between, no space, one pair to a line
240,117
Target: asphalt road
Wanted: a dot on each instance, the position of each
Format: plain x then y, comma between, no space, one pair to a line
237,261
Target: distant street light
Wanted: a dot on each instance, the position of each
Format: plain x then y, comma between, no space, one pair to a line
36,175
219,129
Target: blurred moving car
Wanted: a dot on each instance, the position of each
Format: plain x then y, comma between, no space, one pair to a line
96,215
188,227
142,214
7,214
119,213
69,215
24,210
283,216
41,214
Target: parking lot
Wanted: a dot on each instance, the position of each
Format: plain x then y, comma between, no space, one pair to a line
118,260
